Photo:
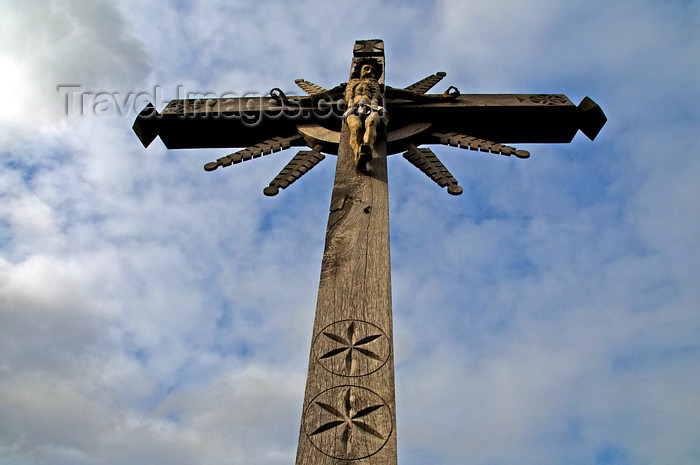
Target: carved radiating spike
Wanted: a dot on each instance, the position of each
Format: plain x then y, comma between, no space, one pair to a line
326,427
425,84
425,160
265,147
462,141
309,87
296,168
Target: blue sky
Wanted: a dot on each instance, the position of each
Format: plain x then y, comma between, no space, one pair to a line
151,312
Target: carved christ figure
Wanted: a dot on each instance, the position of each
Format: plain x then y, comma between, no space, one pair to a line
365,112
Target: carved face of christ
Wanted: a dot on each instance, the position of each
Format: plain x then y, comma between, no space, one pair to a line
367,71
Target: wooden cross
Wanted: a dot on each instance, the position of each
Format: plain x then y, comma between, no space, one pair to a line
349,413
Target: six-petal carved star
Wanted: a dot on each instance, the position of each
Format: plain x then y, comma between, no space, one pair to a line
549,99
350,346
350,419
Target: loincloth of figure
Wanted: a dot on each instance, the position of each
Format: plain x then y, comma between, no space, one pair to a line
372,92
363,110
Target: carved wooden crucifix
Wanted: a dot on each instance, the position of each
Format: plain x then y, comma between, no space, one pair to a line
349,413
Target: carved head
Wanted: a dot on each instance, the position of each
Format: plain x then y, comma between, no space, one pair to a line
367,71
367,68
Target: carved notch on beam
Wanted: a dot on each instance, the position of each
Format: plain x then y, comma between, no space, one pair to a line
425,84
266,147
425,160
462,141
309,87
296,168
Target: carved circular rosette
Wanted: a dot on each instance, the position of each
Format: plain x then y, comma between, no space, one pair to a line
352,348
348,422
548,99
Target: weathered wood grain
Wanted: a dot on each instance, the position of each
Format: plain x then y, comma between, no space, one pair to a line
352,349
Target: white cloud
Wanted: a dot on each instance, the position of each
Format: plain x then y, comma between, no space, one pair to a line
84,43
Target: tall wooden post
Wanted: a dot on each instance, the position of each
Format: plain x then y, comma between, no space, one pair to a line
349,406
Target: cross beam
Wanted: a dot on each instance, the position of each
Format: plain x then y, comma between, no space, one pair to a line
241,122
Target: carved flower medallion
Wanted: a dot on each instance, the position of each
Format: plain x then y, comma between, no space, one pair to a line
348,422
549,99
352,348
